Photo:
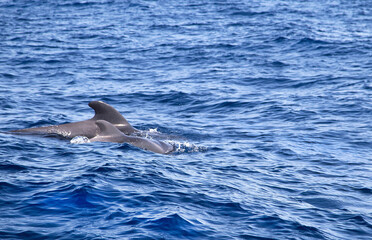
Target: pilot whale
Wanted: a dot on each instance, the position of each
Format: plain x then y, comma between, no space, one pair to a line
87,128
107,125
109,133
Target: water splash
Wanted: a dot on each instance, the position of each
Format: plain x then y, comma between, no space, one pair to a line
80,140
151,133
154,130
186,147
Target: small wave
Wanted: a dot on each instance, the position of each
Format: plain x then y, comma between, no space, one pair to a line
6,187
324,203
105,169
8,75
77,3
9,166
66,198
307,41
175,225
249,13
280,39
13,234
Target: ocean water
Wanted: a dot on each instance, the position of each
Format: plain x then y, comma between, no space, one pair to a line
268,104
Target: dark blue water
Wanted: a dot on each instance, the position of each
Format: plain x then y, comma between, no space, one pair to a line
268,103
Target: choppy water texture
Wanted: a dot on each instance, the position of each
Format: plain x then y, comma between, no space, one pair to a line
268,103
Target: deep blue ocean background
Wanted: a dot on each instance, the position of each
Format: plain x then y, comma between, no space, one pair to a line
269,105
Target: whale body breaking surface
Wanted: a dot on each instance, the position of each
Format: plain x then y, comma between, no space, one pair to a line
107,125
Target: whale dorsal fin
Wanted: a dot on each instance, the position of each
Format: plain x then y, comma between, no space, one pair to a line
106,112
111,115
108,133
107,129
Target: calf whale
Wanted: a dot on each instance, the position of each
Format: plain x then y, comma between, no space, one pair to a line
87,128
109,133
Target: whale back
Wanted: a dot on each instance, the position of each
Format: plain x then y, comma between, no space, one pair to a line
87,128
109,133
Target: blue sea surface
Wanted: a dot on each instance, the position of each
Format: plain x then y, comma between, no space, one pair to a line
268,105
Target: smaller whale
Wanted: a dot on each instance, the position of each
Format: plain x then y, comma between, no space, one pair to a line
110,133
87,128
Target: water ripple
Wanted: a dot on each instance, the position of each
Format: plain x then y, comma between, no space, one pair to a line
266,102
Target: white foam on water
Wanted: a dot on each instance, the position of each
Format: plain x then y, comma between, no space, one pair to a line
154,130
79,140
186,147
